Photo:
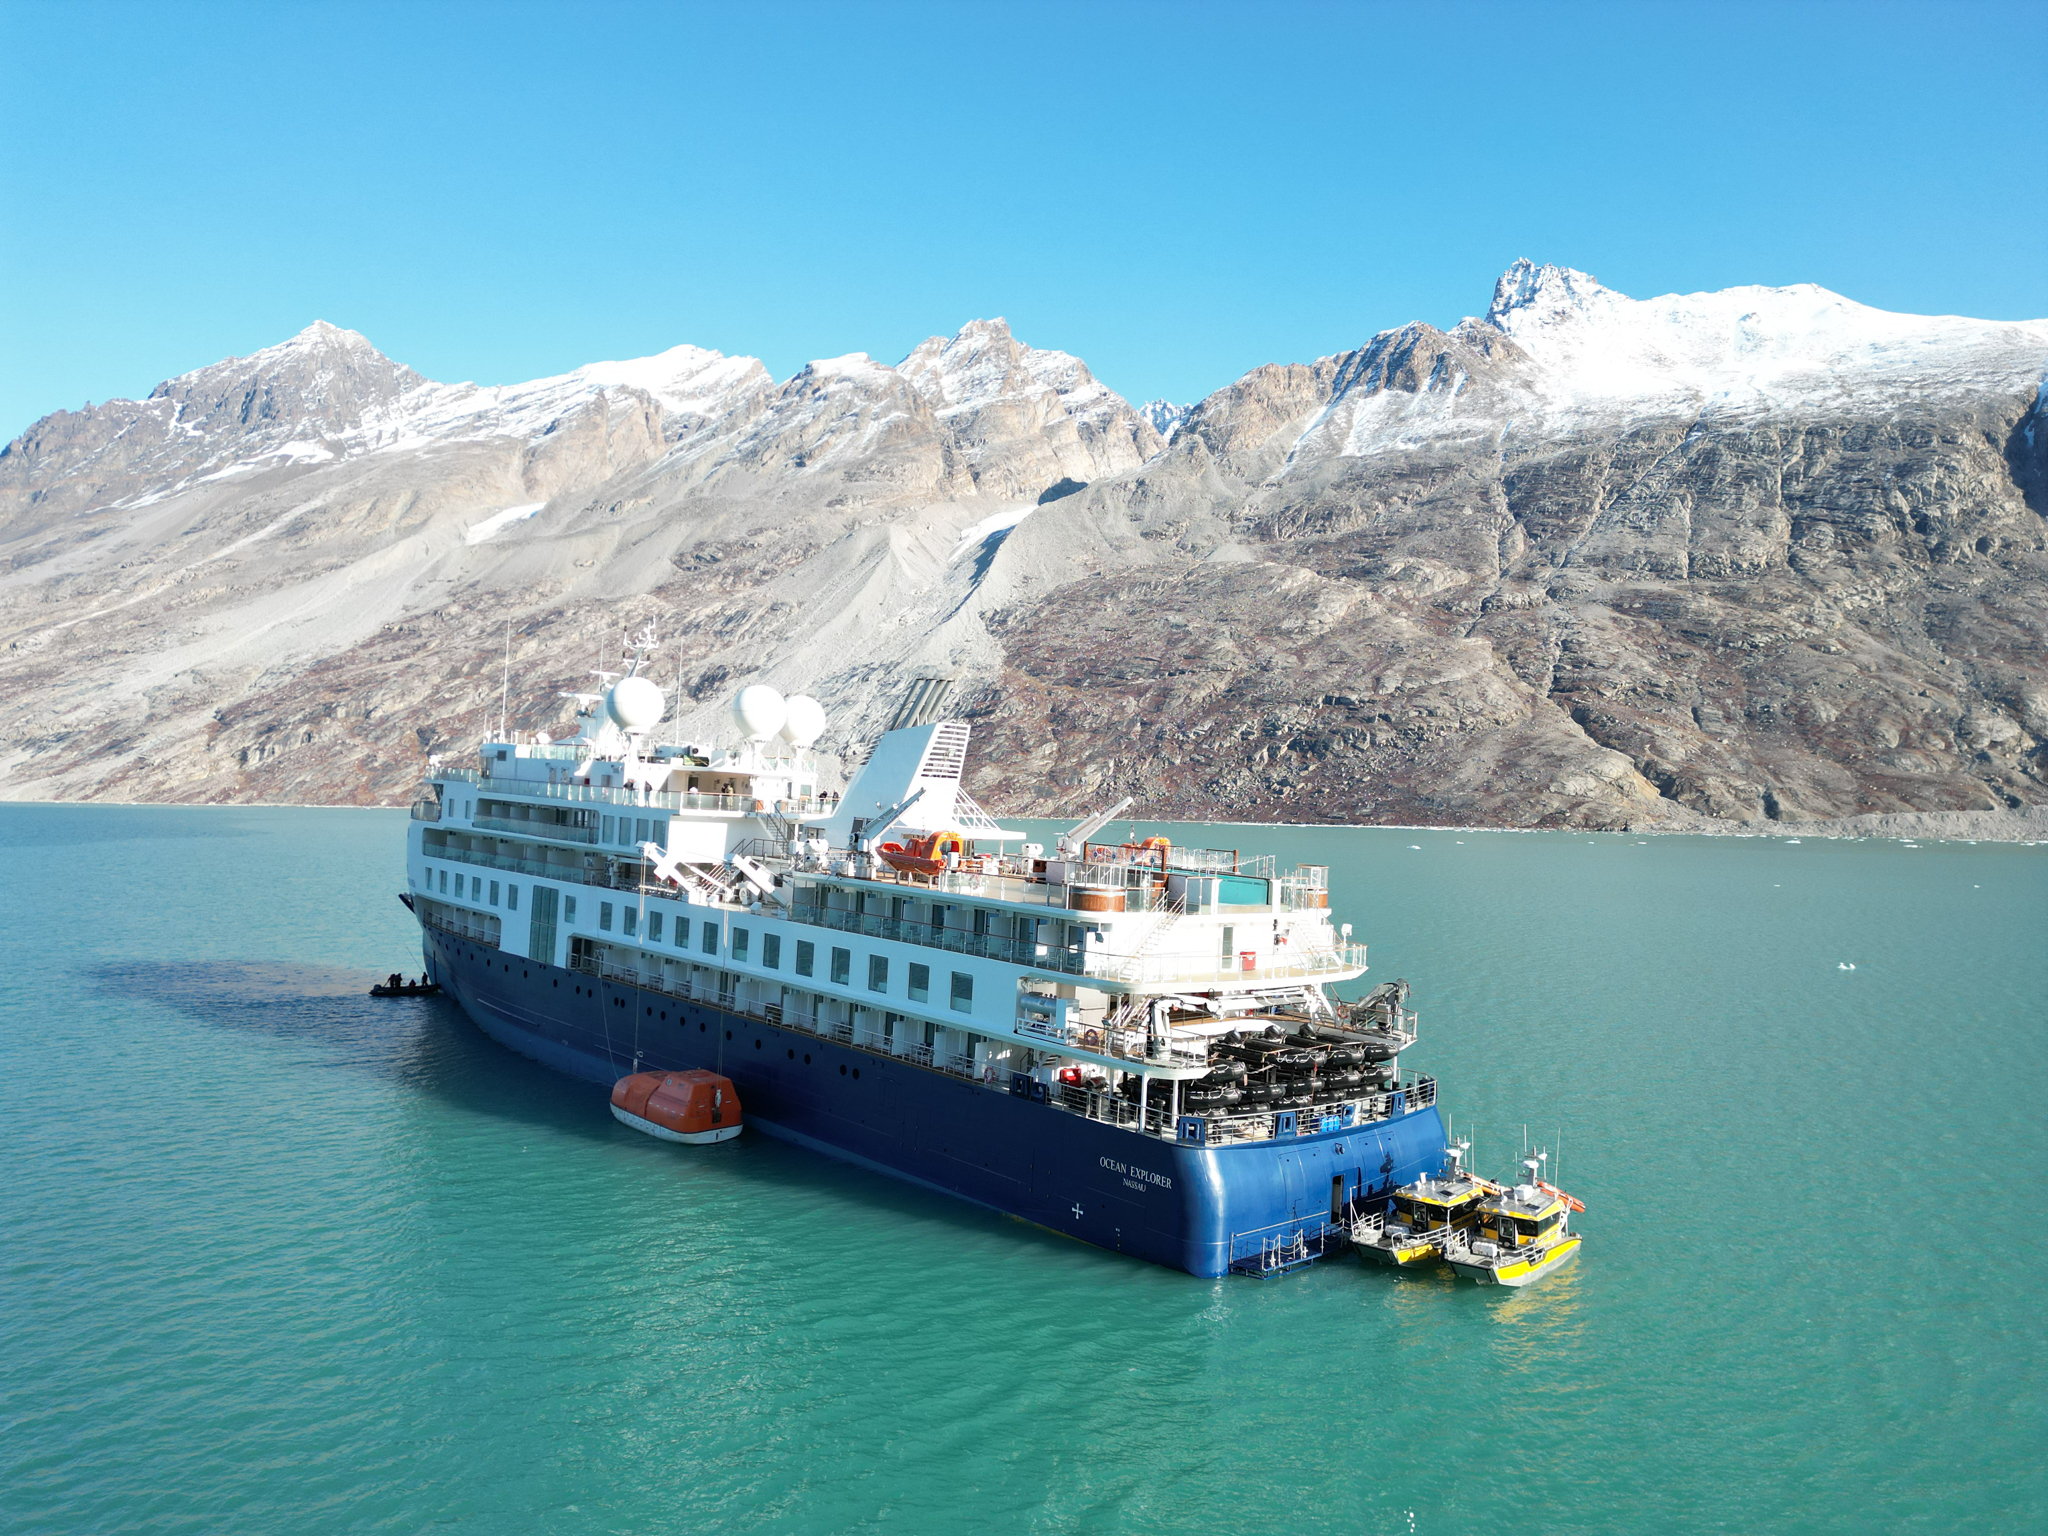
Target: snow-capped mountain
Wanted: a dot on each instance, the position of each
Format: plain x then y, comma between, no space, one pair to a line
1760,553
1164,415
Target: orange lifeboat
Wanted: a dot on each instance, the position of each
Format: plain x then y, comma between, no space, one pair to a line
695,1106
922,855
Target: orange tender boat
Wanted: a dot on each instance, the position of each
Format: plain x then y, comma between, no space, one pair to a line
695,1106
924,855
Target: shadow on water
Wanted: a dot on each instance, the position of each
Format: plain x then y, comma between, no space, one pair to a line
429,1046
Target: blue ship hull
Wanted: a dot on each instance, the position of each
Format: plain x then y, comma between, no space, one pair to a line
1191,1207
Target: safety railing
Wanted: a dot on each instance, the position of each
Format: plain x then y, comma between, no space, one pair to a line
571,874
451,920
1465,1241
1285,1245
1135,969
557,831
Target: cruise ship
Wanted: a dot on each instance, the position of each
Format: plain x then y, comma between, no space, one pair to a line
1131,1043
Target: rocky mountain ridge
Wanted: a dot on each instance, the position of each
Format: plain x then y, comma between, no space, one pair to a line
1761,554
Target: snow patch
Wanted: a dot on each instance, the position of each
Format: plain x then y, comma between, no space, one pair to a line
497,522
979,533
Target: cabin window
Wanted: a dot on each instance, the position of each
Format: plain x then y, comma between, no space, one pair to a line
444,882
710,945
771,951
641,832
981,922
740,937
682,931
568,909
494,893
654,927
604,834
878,973
512,898
920,983
806,956
842,966
963,992
1549,1223
931,1034
604,916
630,919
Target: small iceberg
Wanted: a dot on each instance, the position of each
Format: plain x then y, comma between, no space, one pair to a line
1845,965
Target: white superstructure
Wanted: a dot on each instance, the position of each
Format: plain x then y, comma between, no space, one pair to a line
899,917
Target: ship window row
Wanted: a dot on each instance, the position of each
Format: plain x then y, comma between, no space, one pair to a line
506,894
624,918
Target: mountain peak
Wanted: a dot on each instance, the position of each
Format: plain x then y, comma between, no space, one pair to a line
1545,292
323,334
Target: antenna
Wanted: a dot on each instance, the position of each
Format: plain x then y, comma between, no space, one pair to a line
675,715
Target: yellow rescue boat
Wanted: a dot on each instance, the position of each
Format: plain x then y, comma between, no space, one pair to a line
1521,1234
1424,1214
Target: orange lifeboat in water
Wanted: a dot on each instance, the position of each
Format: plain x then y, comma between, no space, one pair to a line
695,1106
922,855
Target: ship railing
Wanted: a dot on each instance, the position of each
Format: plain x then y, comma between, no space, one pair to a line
571,874
641,799
1342,1114
1004,880
457,925
1369,1229
1505,1253
1107,857
1134,969
961,941
1185,974
556,831
1286,1244
1306,889
459,775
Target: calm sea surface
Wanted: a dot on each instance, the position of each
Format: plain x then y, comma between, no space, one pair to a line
275,1257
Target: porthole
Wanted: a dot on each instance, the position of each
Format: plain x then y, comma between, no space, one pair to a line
856,1072
842,1069
757,1045
728,1034
807,1058
792,1055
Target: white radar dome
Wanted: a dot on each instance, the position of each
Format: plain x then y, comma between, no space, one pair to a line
806,721
635,704
759,711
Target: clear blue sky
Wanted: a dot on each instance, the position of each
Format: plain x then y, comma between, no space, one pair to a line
1175,192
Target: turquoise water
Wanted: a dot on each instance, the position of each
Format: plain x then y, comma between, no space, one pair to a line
274,1257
